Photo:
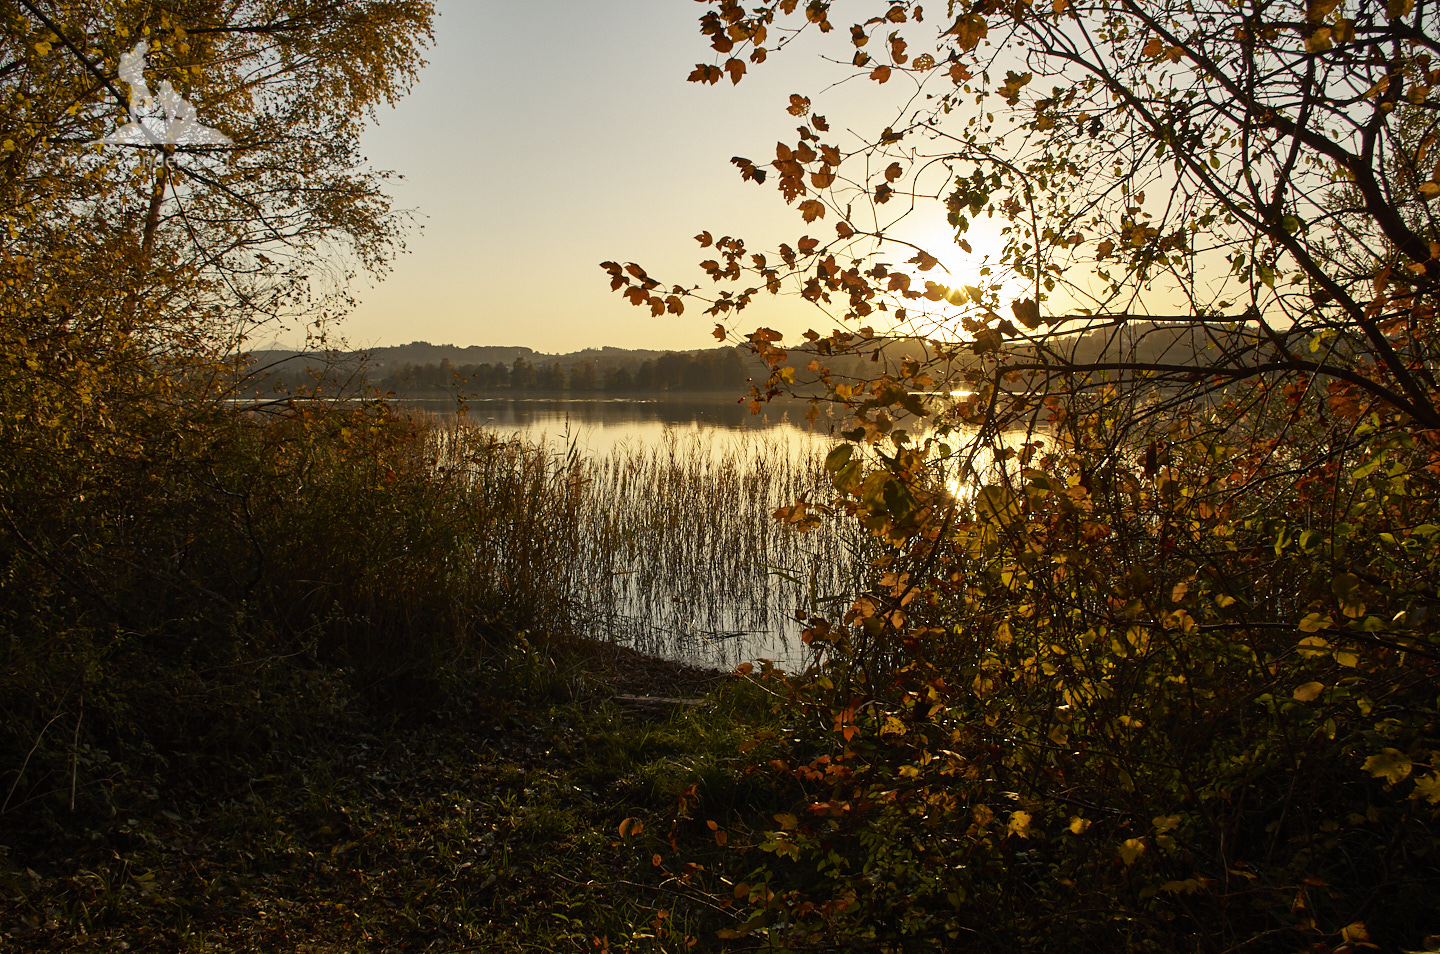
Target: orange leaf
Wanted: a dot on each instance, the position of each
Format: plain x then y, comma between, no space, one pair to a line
631,826
812,209
881,74
799,105
736,68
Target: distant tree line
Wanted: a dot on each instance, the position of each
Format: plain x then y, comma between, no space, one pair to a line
720,369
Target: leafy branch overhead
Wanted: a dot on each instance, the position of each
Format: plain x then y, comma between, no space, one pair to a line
1150,482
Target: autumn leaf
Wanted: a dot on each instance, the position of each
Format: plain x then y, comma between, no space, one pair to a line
1309,692
799,105
1428,788
1389,764
736,68
705,74
968,31
812,209
1027,312
748,170
631,827
1130,850
881,74
1013,83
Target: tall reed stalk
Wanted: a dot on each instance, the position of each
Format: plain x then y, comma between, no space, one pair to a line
670,547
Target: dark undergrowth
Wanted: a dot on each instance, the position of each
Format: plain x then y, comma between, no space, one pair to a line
289,683
314,818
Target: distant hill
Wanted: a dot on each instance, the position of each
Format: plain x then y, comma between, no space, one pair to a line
422,368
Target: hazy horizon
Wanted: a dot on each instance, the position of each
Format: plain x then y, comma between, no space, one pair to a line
544,138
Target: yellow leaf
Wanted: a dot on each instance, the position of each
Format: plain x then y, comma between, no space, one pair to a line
1078,825
1355,932
1020,824
1164,823
1428,788
1130,850
1430,189
892,726
787,821
1347,659
1188,886
1389,764
1309,692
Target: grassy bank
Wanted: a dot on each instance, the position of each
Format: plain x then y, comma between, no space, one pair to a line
491,823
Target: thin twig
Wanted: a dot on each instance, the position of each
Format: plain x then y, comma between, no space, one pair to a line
20,774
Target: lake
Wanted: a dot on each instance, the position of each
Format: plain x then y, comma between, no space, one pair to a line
683,559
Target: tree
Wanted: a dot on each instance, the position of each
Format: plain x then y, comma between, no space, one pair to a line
583,376
1179,521
130,273
125,265
1201,163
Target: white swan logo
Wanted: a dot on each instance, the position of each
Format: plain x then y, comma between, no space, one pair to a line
167,119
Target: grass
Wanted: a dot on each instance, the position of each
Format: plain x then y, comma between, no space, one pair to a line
490,824
672,547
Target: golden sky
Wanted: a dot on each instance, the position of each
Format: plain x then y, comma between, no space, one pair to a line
547,136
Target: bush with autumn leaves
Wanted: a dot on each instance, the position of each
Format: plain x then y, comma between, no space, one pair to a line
1174,699
1148,657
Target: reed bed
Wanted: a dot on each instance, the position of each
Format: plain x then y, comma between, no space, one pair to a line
668,547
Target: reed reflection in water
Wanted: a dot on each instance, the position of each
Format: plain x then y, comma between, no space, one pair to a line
674,550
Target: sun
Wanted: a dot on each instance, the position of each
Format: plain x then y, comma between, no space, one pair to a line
956,267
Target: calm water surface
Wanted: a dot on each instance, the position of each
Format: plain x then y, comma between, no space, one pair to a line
684,558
